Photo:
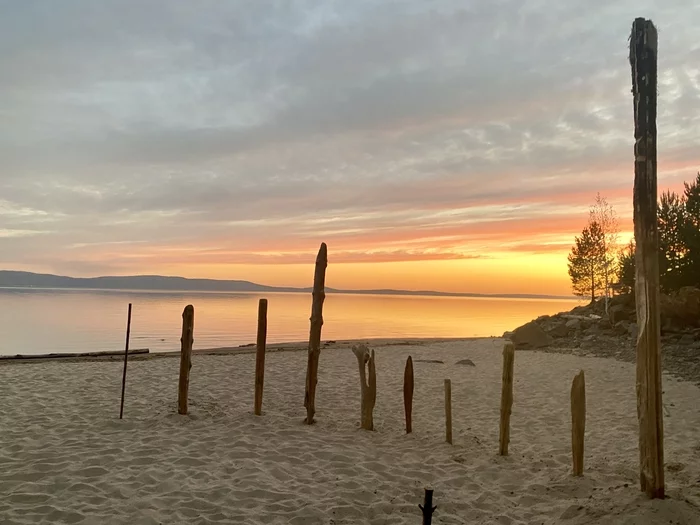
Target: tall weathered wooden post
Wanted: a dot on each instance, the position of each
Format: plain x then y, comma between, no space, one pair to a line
578,421
319,295
408,394
506,398
643,59
186,342
260,356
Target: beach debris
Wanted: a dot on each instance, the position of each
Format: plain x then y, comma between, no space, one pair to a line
260,356
319,295
643,61
408,394
186,342
465,362
506,398
448,411
427,508
108,354
578,421
530,335
368,385
126,358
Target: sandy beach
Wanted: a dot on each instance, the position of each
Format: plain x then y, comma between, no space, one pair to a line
65,457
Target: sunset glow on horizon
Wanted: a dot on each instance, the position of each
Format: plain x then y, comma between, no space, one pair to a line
209,141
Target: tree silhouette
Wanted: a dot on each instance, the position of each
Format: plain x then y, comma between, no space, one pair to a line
626,268
672,250
604,215
588,262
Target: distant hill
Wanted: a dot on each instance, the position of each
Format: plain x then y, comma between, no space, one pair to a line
13,279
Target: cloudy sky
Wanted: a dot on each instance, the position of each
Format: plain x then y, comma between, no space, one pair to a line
450,144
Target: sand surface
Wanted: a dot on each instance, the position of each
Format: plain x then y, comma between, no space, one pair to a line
65,457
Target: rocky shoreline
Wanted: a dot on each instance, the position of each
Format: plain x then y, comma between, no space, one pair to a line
588,331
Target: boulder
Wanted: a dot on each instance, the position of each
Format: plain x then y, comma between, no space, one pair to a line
620,312
626,299
687,339
681,309
622,327
605,324
530,335
691,299
558,330
592,329
573,324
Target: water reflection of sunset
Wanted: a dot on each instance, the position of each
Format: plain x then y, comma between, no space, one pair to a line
73,321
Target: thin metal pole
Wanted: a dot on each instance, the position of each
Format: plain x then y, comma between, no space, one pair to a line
126,357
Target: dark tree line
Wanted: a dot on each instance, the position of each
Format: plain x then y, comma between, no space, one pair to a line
679,242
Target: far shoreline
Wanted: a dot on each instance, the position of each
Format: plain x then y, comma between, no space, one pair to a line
377,293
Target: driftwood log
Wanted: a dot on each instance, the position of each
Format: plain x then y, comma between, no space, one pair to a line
73,355
319,295
506,398
578,421
408,394
368,385
186,342
643,59
260,356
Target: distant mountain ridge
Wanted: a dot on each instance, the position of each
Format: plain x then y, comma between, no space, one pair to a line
16,279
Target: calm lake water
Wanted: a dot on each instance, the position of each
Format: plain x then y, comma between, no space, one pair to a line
37,321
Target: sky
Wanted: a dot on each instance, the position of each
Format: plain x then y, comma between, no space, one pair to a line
451,145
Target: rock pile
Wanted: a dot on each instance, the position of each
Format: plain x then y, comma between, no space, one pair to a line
587,330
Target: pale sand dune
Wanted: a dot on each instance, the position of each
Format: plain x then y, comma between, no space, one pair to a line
66,458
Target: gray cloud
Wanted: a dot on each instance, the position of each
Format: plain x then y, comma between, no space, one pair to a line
172,121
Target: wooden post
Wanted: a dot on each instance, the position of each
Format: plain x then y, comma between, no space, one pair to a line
506,398
186,342
126,357
319,295
260,356
368,388
643,60
408,394
578,421
427,508
448,411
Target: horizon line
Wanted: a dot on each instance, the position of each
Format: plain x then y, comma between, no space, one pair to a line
263,287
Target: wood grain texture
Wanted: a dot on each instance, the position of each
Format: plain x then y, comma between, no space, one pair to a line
319,296
506,398
578,421
643,61
260,356
186,342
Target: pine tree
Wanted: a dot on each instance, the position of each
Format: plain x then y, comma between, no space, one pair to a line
672,249
626,267
588,262
691,233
